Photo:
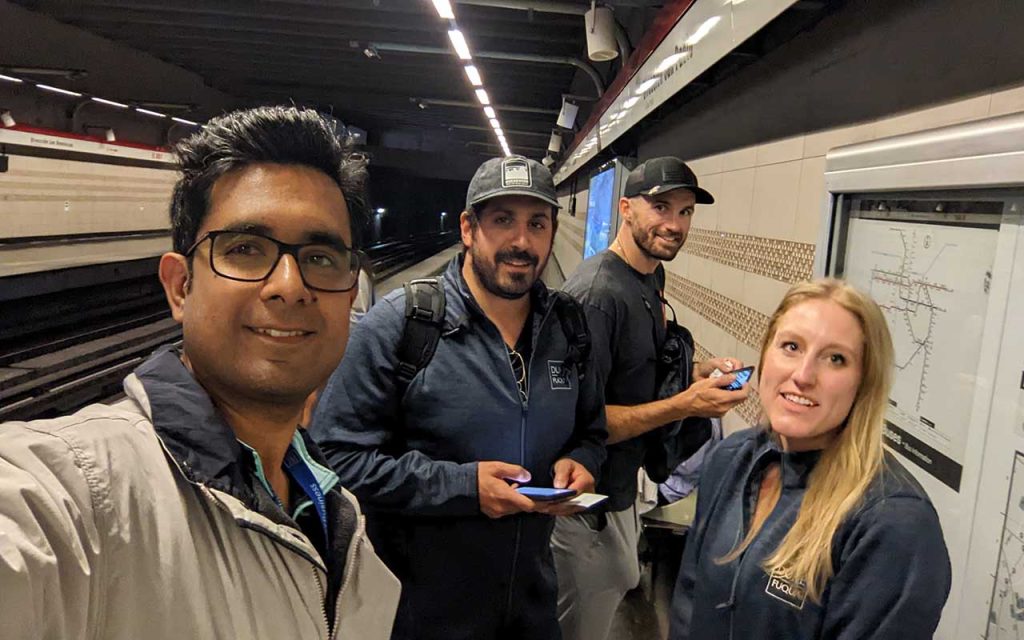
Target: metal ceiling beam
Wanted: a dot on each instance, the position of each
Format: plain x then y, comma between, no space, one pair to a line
475,143
475,105
499,55
515,132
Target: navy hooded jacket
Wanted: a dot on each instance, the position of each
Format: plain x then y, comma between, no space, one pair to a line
411,459
891,568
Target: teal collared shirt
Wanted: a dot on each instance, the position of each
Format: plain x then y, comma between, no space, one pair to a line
325,478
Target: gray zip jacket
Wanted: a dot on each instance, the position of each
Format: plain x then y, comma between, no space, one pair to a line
113,527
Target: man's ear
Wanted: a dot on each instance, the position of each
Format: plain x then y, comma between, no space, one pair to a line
466,228
174,277
625,210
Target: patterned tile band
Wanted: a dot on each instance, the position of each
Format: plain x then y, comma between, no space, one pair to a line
750,410
781,260
745,324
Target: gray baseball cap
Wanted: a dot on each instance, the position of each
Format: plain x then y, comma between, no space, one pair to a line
511,176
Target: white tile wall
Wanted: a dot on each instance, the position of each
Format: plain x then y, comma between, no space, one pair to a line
777,190
47,197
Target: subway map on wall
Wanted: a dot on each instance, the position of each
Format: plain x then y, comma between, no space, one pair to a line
932,282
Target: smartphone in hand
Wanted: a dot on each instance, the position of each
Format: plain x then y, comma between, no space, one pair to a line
546,494
742,376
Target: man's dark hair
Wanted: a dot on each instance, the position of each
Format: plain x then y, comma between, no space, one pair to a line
278,135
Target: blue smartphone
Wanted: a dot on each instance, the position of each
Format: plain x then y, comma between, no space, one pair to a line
742,376
546,494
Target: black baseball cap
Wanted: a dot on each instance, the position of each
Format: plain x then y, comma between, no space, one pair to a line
511,176
659,175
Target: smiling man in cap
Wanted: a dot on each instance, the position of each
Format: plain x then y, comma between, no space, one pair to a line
433,446
658,401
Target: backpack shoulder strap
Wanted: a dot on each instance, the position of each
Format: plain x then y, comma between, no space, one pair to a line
574,324
424,320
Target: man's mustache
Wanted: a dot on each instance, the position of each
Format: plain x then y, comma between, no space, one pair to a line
517,256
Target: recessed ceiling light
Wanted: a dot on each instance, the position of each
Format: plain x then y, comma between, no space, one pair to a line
459,42
47,87
474,76
444,9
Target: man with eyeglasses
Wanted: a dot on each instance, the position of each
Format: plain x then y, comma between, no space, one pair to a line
195,507
436,461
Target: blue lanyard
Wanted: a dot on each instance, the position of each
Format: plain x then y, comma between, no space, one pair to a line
299,472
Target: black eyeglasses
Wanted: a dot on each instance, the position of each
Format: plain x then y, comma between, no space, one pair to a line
252,257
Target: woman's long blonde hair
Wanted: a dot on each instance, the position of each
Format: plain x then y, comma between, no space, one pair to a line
847,466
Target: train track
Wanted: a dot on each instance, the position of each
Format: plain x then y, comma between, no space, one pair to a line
62,348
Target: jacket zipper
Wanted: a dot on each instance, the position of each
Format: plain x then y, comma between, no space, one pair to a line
264,531
524,408
323,602
357,543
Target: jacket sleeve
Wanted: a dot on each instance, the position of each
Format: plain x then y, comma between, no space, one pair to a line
358,417
893,574
49,539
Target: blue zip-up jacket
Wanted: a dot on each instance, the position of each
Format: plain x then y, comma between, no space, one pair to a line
891,568
412,461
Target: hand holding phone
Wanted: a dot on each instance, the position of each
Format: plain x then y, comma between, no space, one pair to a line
742,377
546,494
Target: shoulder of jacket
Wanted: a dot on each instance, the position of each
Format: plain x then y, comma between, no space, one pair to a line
103,441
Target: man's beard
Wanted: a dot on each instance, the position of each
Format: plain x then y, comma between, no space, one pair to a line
516,284
646,238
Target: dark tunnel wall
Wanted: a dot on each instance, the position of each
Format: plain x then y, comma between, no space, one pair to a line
413,203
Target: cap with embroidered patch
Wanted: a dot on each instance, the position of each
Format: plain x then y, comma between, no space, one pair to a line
511,176
660,175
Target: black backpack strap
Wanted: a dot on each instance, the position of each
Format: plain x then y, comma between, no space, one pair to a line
424,320
577,333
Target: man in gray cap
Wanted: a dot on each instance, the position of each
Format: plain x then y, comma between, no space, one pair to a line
658,401
452,394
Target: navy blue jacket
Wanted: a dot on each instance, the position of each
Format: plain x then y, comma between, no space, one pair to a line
412,461
891,568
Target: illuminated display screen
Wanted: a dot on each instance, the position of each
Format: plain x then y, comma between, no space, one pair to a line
599,212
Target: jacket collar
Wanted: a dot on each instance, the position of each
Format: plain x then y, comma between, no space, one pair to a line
198,439
796,466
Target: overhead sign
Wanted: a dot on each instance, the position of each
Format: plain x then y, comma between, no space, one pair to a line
27,137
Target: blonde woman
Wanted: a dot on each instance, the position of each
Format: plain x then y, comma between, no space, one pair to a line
805,527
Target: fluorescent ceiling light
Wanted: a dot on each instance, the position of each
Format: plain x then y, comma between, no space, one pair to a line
184,121
150,113
703,30
481,95
489,112
110,103
628,104
47,87
444,9
474,76
670,61
645,85
11,79
459,42
495,123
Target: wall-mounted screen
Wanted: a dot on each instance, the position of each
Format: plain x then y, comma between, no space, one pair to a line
601,210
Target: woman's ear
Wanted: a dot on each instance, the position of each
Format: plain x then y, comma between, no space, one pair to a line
174,275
